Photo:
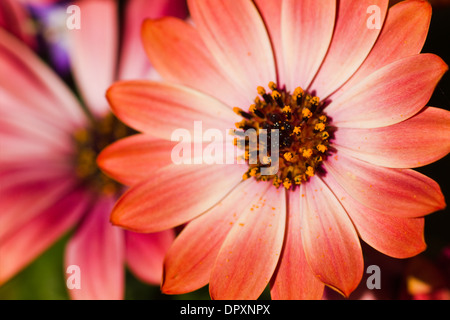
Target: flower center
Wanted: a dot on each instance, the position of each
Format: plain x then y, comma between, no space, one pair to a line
292,122
89,142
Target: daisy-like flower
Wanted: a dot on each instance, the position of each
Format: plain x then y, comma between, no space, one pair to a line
50,181
349,102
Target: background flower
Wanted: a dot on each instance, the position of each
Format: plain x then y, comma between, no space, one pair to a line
50,182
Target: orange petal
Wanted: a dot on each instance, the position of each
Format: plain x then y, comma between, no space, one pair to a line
190,260
270,11
159,108
249,255
390,95
351,43
397,192
403,35
330,241
174,195
235,34
394,236
180,56
135,158
307,29
418,141
294,279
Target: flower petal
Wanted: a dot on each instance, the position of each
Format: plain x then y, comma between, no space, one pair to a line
396,192
270,11
26,129
133,62
132,159
19,248
174,195
25,195
329,238
416,142
179,54
394,236
403,35
191,258
250,253
390,95
97,248
235,34
145,254
14,18
351,43
159,109
307,29
47,97
93,50
293,278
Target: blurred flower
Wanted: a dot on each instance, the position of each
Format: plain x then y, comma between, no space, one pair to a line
426,279
435,3
344,159
15,18
50,181
417,278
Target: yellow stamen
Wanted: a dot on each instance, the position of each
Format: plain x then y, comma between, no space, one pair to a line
261,90
287,109
298,180
254,172
252,108
287,183
245,176
288,156
240,124
237,110
310,171
307,153
323,118
322,148
325,135
276,95
306,113
297,130
320,127
315,101
298,92
272,85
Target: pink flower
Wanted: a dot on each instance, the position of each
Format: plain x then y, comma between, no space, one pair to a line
344,159
50,182
14,18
